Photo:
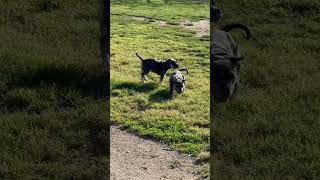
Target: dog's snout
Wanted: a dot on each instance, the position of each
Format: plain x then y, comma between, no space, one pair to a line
175,65
180,90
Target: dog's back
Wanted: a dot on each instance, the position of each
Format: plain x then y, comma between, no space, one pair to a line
153,65
226,62
149,64
176,77
223,45
156,66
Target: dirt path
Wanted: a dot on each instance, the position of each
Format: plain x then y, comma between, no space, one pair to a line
135,158
151,20
201,28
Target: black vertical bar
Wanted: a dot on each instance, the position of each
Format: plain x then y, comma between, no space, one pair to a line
104,13
212,3
212,135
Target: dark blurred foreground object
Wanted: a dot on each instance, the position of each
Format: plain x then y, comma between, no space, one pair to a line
225,63
215,14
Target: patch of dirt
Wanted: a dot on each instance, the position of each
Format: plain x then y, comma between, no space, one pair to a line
201,28
158,22
137,18
135,158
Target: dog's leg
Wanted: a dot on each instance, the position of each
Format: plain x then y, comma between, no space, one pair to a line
145,78
144,71
142,78
171,89
161,79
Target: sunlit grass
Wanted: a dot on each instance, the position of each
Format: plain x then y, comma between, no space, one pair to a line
182,122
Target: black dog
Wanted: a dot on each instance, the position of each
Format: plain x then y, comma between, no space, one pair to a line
158,67
226,59
177,82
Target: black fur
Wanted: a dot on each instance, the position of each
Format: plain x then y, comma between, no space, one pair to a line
226,61
158,67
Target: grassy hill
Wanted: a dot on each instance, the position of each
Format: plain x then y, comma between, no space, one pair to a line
271,130
53,116
153,30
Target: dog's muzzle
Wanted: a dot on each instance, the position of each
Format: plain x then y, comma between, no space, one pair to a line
175,66
180,90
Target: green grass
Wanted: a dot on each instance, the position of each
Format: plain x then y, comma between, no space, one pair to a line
53,116
271,130
146,109
173,11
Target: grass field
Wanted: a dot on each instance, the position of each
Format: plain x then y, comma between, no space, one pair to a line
146,109
271,130
53,116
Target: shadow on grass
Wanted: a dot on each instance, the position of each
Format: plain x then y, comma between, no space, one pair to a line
89,81
137,87
160,96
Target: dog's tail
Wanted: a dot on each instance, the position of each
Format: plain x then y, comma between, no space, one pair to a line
229,27
184,69
139,57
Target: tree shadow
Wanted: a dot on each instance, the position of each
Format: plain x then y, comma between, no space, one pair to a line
160,96
137,87
89,81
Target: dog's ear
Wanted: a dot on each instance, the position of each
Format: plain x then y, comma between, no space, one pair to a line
167,64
